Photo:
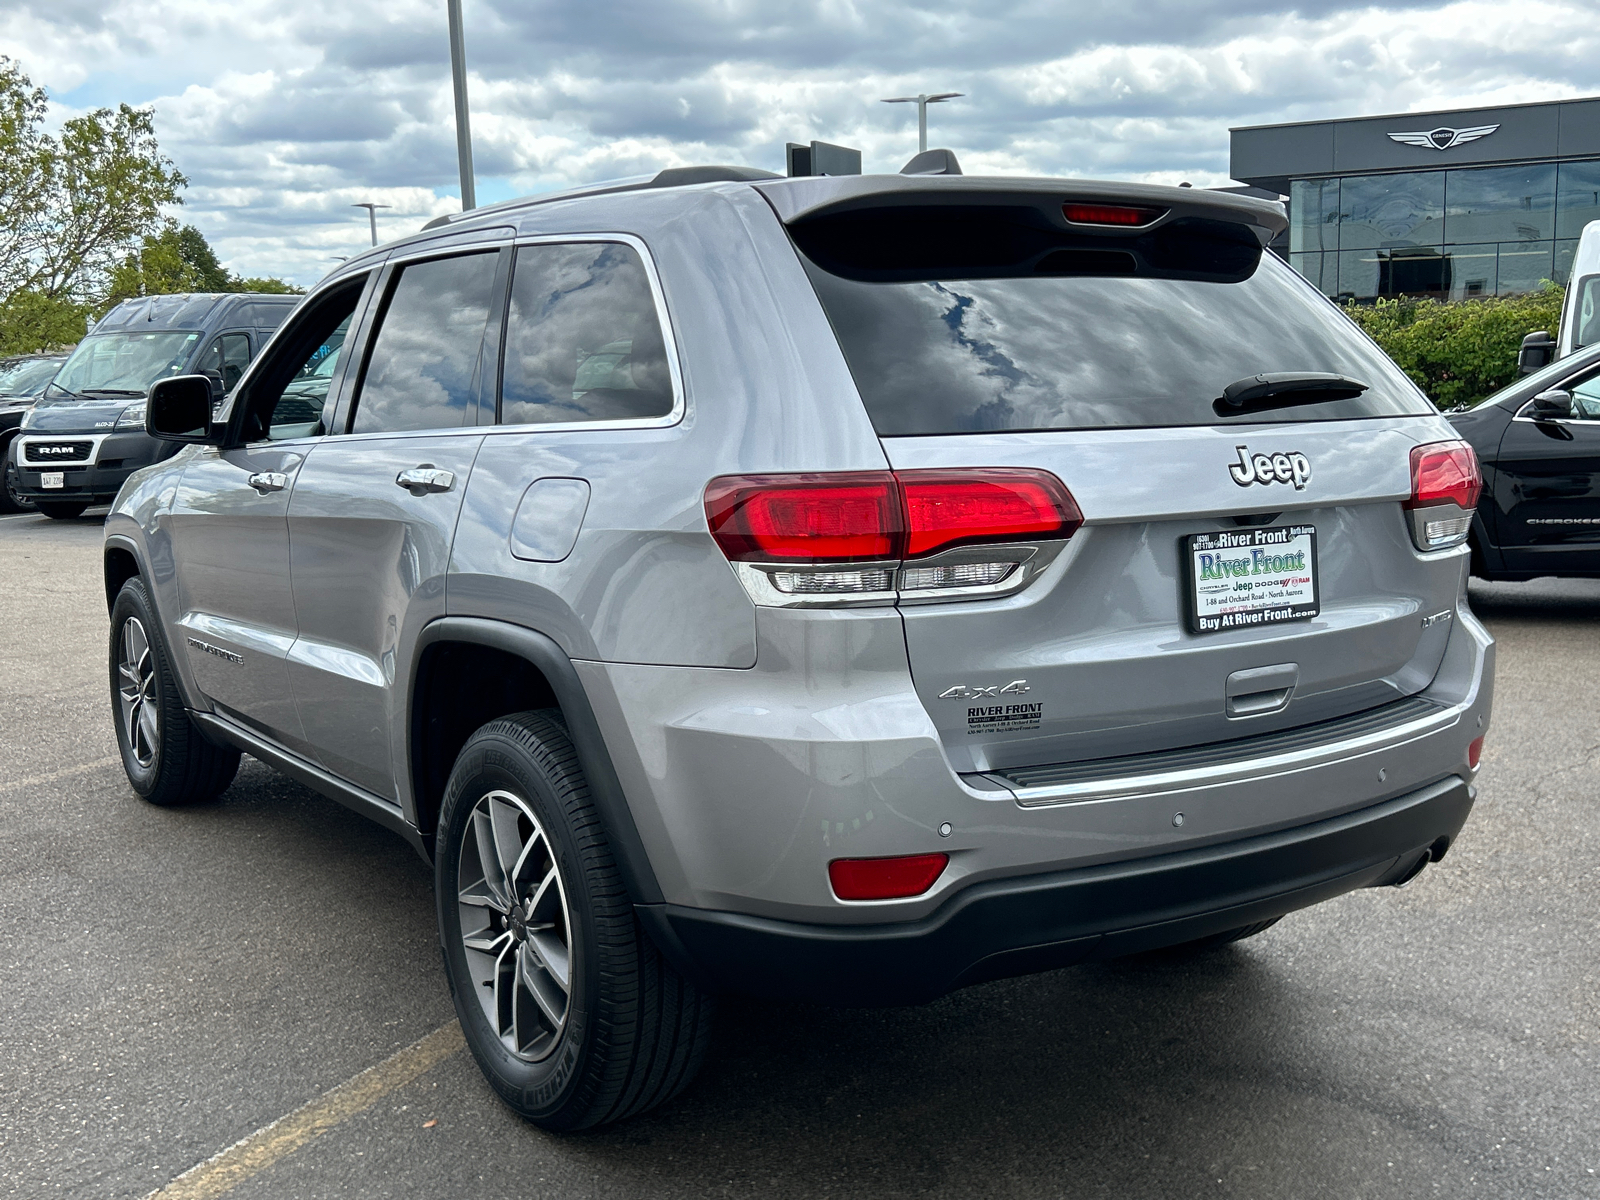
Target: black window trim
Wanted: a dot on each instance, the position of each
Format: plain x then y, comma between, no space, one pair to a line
663,318
241,401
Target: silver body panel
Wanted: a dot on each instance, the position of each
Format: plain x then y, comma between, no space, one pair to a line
754,744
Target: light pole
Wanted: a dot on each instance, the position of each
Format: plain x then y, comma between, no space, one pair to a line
922,103
458,75
372,215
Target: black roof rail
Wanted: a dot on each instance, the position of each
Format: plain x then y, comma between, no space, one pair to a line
669,178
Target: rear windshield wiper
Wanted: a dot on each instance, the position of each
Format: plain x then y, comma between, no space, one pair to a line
1284,389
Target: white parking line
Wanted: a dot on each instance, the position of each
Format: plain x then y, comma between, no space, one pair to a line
253,1154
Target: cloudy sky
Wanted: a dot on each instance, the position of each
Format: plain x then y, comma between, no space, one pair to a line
284,112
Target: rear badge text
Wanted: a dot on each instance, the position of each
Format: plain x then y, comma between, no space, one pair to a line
1292,468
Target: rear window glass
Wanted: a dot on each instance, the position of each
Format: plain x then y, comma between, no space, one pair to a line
1072,345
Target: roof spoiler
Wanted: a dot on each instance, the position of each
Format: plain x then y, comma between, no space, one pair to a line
933,162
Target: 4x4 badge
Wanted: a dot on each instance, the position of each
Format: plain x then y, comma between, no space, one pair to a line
1292,468
962,692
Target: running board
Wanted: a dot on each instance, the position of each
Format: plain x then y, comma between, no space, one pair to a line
373,807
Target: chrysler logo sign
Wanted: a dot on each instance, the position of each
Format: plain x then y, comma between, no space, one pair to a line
1443,138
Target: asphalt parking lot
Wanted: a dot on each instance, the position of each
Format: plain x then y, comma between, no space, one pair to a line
176,980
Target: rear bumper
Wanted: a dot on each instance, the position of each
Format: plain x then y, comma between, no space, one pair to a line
1016,926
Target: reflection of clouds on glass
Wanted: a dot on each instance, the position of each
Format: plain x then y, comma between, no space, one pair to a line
427,348
582,341
1053,353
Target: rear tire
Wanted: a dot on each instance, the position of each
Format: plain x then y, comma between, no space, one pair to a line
166,758
570,1010
61,510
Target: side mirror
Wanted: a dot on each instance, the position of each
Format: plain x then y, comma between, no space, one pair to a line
1538,350
179,410
1554,405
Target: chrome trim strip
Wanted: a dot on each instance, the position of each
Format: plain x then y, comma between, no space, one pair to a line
674,367
1229,772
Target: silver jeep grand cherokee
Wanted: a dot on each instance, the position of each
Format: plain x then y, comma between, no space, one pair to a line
846,589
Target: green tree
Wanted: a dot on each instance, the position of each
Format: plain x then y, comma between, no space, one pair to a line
72,206
1459,351
179,259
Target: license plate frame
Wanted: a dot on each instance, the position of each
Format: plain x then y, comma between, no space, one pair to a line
52,479
1253,587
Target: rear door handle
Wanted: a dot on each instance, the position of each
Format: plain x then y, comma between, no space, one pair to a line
269,481
426,478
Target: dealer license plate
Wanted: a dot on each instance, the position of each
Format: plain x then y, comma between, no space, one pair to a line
53,479
1240,578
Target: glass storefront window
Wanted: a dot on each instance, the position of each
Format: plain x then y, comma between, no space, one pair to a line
1313,215
1524,266
1320,269
1500,204
1391,210
1577,197
1472,271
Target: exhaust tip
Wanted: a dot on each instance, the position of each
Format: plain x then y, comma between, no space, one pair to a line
1414,869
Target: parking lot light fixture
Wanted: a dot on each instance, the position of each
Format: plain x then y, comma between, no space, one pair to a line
922,101
372,215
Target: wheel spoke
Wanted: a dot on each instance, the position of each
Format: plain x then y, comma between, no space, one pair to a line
551,1001
486,940
507,840
554,956
488,861
147,727
505,987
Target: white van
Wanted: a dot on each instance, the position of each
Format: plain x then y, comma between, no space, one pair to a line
1580,311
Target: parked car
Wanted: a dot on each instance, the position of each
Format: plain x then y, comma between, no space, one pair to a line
85,434
1539,443
842,589
22,378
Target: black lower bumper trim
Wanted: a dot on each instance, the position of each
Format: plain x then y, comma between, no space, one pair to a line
1018,926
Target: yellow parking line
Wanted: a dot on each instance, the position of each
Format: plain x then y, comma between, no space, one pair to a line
255,1153
80,769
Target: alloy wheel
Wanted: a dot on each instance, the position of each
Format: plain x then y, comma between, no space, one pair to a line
136,693
515,925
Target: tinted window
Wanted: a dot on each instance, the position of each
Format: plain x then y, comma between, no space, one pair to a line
227,356
954,356
424,362
1500,204
583,342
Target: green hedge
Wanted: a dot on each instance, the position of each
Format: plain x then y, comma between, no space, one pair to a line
1458,351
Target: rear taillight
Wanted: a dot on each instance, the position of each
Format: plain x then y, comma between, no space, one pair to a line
842,517
1125,215
1445,485
874,536
1474,752
885,878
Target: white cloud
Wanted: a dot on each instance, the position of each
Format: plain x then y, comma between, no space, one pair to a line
284,114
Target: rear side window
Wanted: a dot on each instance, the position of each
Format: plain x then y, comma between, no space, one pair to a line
1586,314
994,329
423,368
583,341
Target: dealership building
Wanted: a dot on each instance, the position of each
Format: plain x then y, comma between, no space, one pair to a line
1475,202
